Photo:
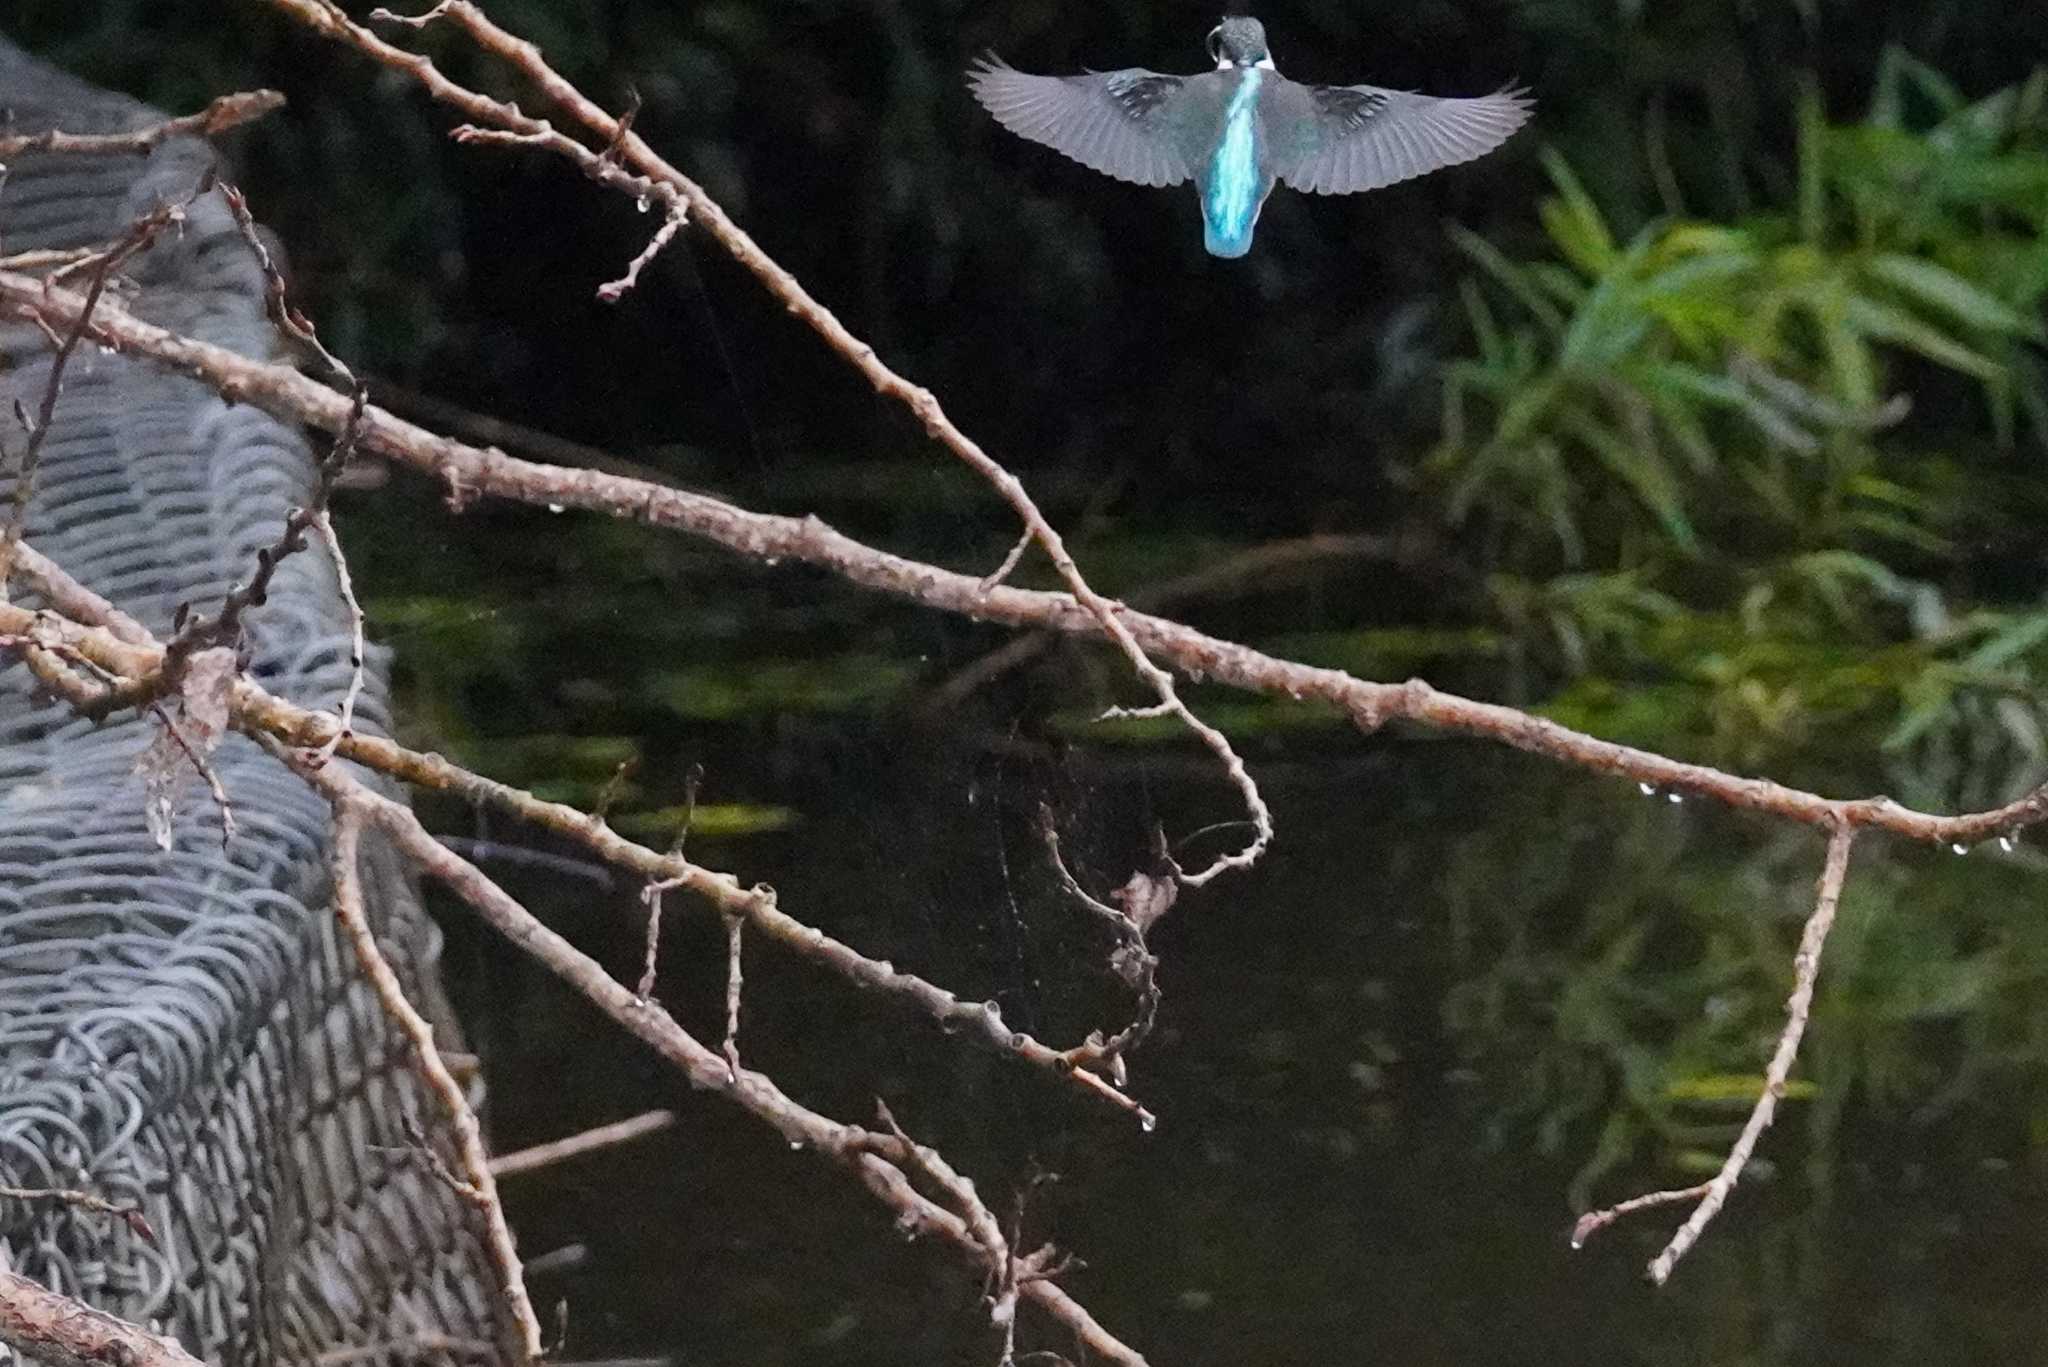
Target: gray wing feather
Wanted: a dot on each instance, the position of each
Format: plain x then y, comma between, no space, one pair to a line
1109,121
1347,138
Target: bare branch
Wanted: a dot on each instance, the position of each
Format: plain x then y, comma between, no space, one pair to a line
358,648
981,1222
734,926
282,391
555,1151
614,290
1714,1194
73,599
229,111
475,1181
58,1331
297,327
1255,568
1002,571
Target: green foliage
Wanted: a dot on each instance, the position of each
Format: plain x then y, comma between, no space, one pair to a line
763,687
1734,479
707,821
1746,489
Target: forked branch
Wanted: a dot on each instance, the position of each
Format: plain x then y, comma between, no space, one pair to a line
625,162
1713,1194
879,1160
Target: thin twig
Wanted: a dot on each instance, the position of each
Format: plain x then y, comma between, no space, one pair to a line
131,1216
611,291
981,1221
522,1161
140,236
1805,972
614,787
358,648
322,521
296,326
1593,1221
734,926
229,111
1142,901
476,1182
650,896
298,329
522,856
224,628
1002,571
625,126
199,763
1049,832
45,258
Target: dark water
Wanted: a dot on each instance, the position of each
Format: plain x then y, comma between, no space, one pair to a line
1349,1167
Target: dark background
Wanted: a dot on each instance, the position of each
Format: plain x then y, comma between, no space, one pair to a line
1074,321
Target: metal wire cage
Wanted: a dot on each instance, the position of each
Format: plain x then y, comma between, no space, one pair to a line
183,1031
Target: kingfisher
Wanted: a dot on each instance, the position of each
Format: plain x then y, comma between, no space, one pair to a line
1242,128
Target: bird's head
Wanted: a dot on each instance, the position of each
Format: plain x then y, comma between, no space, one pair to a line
1239,41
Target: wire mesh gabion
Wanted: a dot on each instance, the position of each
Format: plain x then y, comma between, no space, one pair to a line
183,1031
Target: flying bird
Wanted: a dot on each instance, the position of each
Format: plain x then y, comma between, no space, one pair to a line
1240,129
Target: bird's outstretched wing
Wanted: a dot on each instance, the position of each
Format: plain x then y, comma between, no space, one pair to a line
1344,138
1107,120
